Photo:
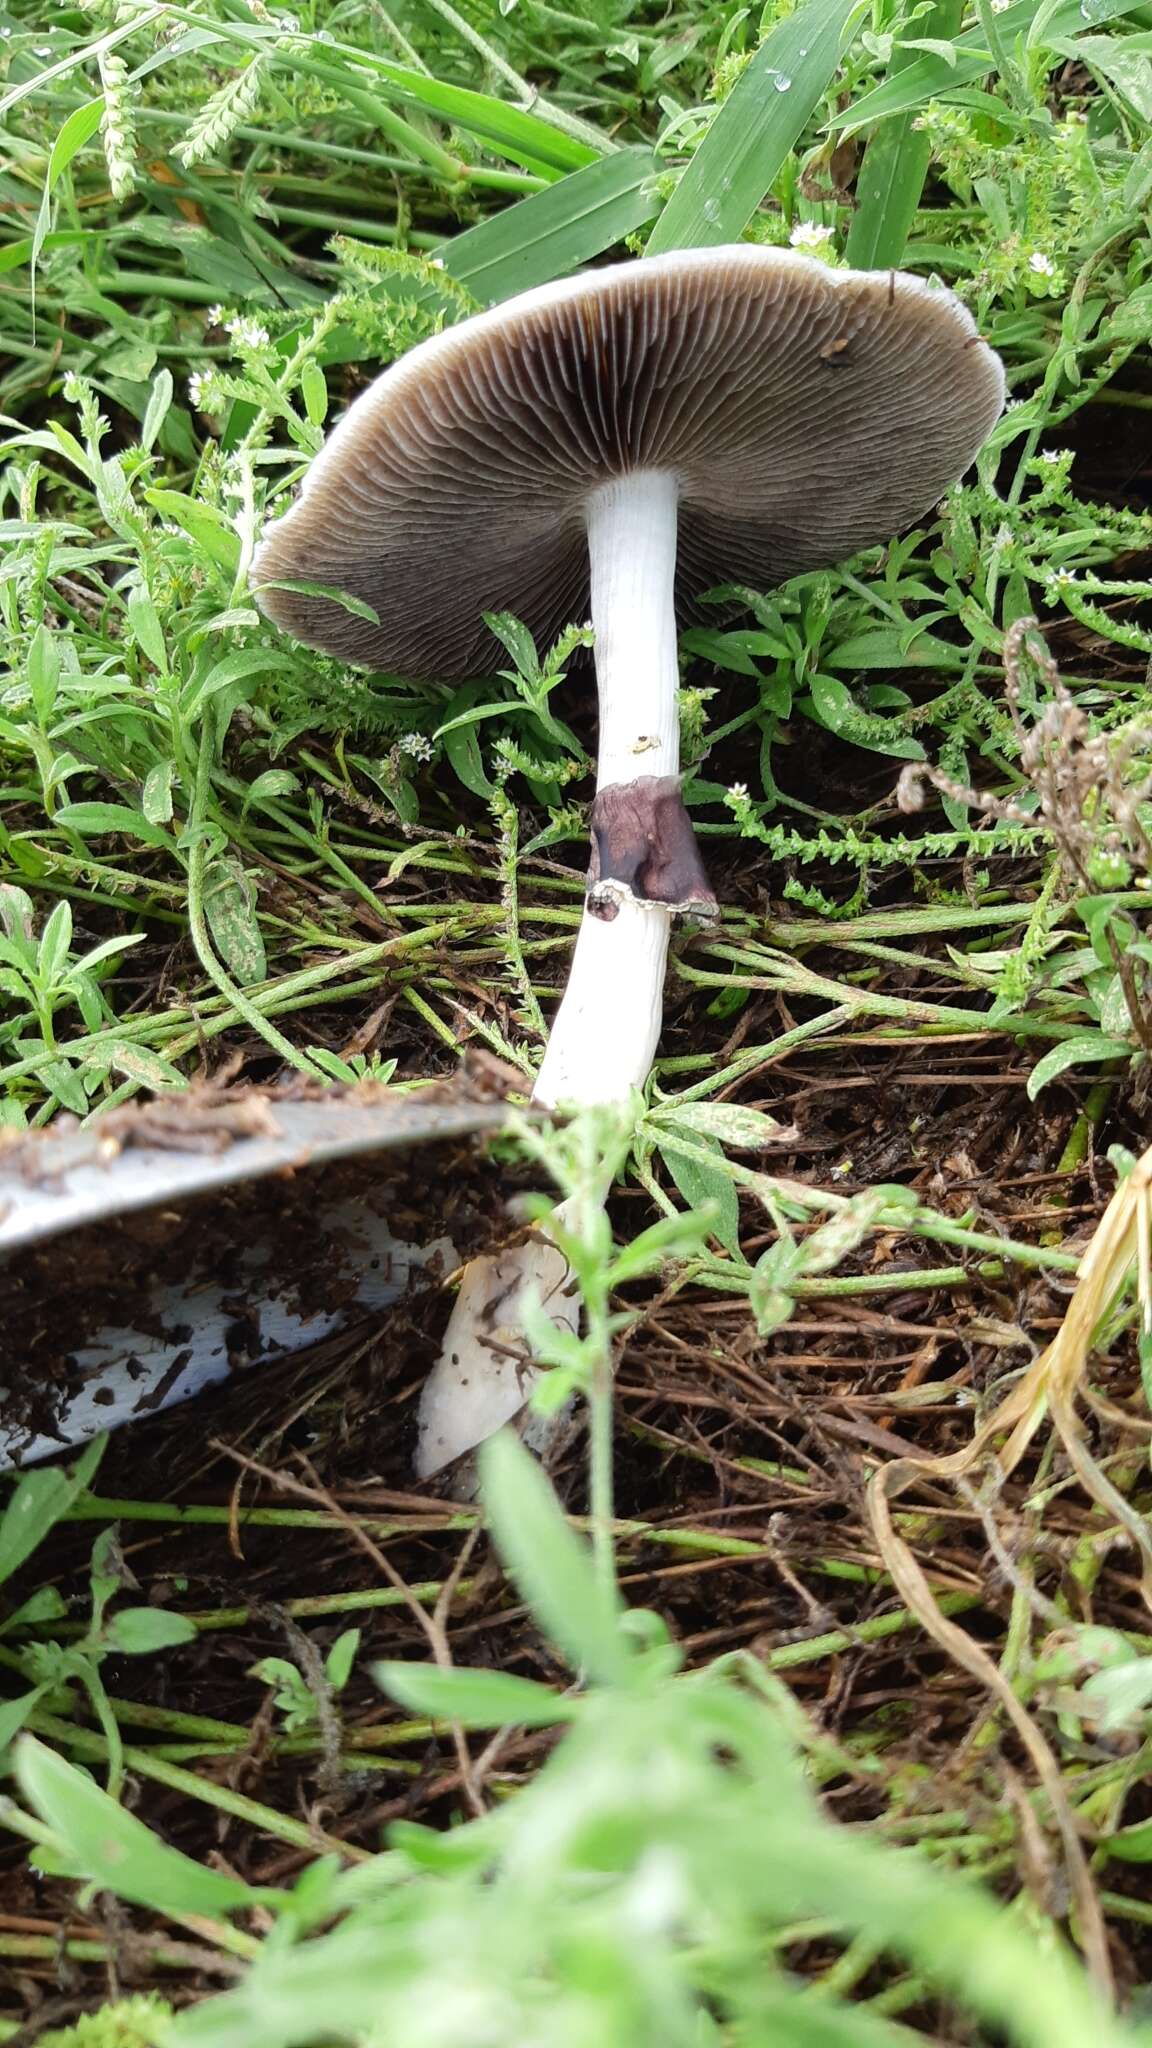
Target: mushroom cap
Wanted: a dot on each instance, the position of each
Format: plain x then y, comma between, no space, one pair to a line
806,413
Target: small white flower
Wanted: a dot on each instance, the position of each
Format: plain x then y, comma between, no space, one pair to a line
415,744
1051,455
196,385
739,791
1041,264
248,332
436,262
807,235
215,316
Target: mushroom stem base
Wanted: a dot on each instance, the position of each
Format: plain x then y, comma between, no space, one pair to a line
485,1373
601,1048
643,846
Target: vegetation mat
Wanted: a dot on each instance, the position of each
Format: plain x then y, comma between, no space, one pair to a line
302,1754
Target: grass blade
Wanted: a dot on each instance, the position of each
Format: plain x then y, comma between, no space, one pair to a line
754,130
523,137
895,164
553,232
78,130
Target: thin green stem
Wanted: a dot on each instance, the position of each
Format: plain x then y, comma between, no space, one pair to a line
85,1742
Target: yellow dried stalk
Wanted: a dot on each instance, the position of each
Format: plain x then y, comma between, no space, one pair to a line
1121,1244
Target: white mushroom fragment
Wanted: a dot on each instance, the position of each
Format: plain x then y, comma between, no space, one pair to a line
611,446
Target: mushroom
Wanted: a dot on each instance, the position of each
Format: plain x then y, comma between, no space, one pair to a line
612,445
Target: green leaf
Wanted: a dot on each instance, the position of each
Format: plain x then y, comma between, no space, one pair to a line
1119,1698
207,682
723,650
314,391
108,949
704,1185
453,1851
476,1699
55,940
105,1845
78,130
95,821
39,1501
1126,68
156,411
347,603
241,279
551,233
461,744
673,1237
156,796
1131,1845
134,1061
148,633
16,915
887,647
517,640
832,702
891,177
1042,20
43,671
340,1659
746,1129
230,907
272,783
755,130
14,1713
138,1631
1133,320
551,1565
1138,183
278,1671
204,527
835,707
1075,1052
66,1086
44,1605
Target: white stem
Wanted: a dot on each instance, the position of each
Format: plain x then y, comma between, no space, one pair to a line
604,1037
632,560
